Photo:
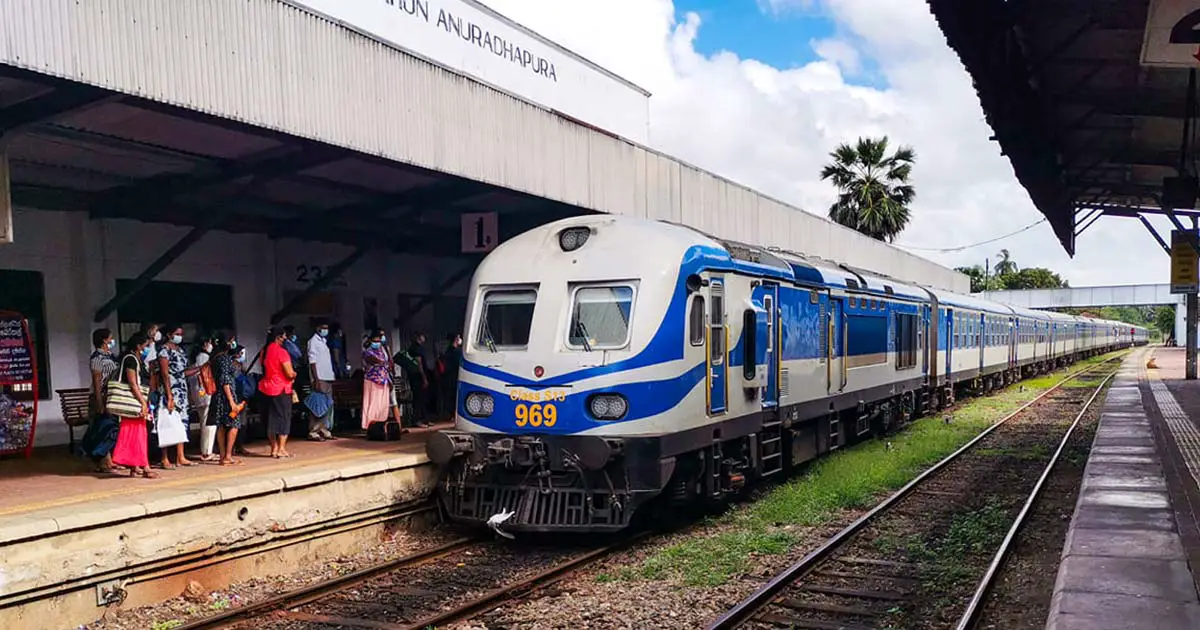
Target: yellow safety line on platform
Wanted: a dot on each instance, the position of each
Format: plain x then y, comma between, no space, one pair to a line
149,485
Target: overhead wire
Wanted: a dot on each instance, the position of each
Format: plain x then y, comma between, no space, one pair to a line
963,247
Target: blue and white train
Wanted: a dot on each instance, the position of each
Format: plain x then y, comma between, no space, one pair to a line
610,360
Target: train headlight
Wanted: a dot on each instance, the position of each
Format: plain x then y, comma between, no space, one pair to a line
608,406
572,239
479,404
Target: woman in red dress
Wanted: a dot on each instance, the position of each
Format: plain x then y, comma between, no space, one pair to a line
132,448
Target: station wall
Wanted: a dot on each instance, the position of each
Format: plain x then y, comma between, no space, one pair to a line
404,108
81,260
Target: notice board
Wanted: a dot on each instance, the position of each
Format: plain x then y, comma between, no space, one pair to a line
18,385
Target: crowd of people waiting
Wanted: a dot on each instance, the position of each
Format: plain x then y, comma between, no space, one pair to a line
145,397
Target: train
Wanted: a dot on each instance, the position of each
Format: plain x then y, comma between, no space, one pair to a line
611,363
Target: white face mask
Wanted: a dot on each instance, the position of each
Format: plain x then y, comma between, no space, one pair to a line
158,335
177,339
208,348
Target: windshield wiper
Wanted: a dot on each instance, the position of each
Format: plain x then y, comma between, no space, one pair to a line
487,332
583,335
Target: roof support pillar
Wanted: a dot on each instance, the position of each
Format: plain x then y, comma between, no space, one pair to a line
212,221
321,284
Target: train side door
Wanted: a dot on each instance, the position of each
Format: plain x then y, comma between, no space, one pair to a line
835,347
716,340
922,327
771,343
981,338
950,339
1012,342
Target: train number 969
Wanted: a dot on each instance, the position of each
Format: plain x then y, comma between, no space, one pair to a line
536,415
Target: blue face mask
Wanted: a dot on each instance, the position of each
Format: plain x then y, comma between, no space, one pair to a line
233,345
383,339
292,338
147,353
112,345
375,345
323,332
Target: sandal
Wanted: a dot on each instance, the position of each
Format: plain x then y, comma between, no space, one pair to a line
149,474
187,462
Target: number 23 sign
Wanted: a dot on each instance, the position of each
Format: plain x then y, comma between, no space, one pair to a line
1172,36
308,274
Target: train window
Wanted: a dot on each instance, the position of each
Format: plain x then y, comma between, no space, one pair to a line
906,341
750,344
716,346
696,321
853,301
600,317
506,318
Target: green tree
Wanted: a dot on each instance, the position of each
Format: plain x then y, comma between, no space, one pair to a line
1164,320
1006,265
1032,278
873,189
980,280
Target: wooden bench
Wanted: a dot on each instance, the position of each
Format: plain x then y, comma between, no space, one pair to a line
76,409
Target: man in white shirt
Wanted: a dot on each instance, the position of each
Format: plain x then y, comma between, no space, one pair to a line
320,368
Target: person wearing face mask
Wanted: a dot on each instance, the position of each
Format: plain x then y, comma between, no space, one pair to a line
173,371
131,449
276,388
226,407
101,435
320,371
376,381
199,399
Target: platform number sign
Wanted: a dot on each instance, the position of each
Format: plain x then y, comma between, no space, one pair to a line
1172,37
480,232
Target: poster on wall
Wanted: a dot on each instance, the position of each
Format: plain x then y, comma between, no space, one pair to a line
18,385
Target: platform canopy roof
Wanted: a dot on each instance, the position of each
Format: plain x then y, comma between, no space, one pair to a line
1089,129
74,147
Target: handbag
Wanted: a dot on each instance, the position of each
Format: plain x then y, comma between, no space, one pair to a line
208,384
118,396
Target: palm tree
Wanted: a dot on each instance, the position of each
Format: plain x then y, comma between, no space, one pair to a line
1006,265
873,188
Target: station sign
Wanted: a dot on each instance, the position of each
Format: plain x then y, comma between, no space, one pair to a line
471,39
1172,38
480,232
1185,271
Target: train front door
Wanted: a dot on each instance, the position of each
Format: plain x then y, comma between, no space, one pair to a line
772,343
949,344
835,346
716,341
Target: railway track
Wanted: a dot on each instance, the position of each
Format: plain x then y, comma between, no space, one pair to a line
412,592
927,555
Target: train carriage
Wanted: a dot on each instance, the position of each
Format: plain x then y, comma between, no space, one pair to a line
616,366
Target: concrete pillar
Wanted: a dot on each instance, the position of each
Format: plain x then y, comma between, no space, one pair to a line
1190,367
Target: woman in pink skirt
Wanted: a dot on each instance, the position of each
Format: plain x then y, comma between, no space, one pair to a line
377,380
132,449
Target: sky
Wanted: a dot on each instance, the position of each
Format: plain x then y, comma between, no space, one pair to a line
760,91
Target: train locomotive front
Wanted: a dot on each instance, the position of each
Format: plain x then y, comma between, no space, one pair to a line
573,370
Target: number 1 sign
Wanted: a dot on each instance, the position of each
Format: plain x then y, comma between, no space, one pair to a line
480,232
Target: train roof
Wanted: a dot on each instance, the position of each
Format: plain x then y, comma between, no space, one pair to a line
815,270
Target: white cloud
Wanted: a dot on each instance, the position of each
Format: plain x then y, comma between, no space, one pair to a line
772,128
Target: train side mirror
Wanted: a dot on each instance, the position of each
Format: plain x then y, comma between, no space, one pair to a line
694,283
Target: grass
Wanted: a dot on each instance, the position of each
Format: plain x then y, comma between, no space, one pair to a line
850,478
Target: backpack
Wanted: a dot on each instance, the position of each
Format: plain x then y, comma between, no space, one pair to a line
407,362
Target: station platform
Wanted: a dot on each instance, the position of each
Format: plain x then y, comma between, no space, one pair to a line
1131,558
75,542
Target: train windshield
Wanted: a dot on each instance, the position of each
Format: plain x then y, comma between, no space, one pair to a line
600,317
506,319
